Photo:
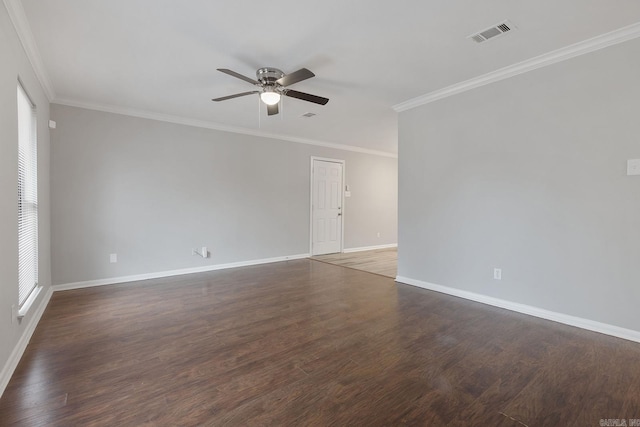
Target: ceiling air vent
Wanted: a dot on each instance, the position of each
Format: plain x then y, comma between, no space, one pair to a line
492,32
308,115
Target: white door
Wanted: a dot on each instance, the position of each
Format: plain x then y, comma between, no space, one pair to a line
326,207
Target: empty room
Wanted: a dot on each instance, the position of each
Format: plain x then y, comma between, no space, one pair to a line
337,213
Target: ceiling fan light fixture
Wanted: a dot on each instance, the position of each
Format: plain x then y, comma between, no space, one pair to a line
270,97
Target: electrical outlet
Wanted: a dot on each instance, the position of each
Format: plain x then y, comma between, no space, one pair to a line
113,258
497,273
378,234
203,252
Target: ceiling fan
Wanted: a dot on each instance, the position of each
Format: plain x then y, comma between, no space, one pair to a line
272,84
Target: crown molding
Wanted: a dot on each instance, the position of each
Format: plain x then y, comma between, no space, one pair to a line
23,29
599,42
151,115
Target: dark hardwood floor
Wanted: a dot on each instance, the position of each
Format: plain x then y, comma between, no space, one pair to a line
378,261
307,343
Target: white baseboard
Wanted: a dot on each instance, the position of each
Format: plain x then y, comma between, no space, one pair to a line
591,325
160,274
370,248
21,346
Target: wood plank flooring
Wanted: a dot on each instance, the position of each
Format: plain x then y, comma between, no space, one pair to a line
305,343
378,261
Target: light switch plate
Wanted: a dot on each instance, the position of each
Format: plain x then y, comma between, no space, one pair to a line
633,167
347,194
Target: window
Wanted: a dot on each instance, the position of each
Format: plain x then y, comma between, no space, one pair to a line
27,202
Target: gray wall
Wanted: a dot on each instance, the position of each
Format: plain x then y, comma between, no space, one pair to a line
529,175
150,191
14,64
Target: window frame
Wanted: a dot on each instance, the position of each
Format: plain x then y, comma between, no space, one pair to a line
28,283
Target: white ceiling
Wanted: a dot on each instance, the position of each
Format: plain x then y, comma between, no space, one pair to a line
160,56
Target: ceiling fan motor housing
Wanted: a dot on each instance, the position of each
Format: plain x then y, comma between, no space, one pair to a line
268,76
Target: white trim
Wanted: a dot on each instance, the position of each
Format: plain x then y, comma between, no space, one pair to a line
311,172
311,208
590,325
370,248
169,273
609,39
21,346
152,115
29,301
23,29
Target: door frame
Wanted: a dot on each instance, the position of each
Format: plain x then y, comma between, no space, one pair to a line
311,176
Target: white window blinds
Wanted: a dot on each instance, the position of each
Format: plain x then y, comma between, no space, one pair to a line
27,197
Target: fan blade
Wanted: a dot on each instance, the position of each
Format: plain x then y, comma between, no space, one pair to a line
306,97
237,95
238,76
295,77
272,109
